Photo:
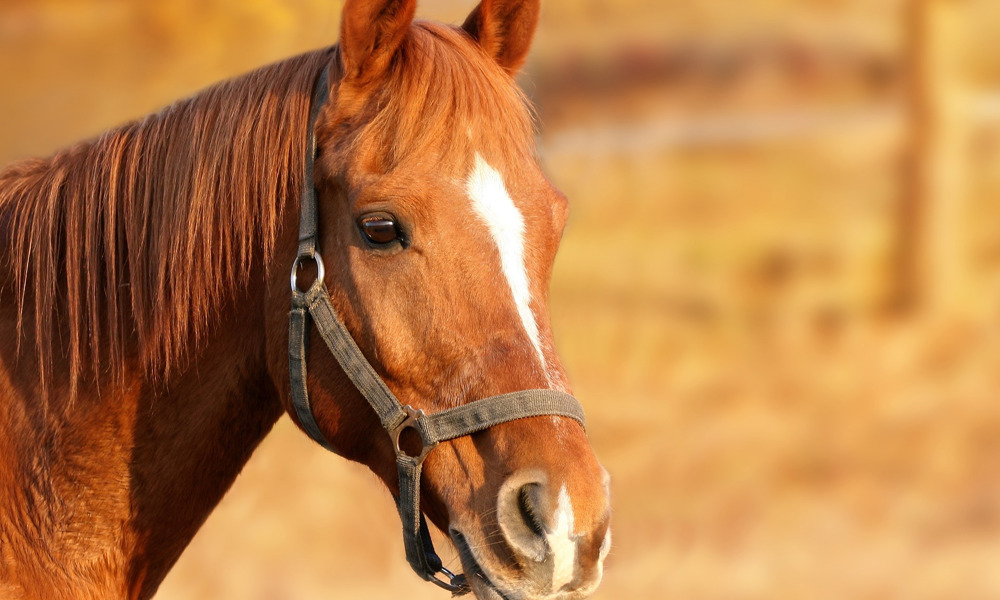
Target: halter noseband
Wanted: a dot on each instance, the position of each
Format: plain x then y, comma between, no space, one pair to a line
314,305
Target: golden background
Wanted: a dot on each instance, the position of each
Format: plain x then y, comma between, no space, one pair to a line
777,296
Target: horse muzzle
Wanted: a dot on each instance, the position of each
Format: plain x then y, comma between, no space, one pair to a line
551,543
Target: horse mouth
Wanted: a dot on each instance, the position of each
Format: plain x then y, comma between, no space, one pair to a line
481,585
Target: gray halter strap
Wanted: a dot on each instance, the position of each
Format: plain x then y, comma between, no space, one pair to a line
313,306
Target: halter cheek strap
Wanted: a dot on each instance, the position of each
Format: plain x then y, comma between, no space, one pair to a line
313,307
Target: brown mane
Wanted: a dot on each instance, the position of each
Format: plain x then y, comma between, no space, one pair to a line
134,238
148,226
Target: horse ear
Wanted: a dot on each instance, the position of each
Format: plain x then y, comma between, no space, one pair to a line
504,29
371,32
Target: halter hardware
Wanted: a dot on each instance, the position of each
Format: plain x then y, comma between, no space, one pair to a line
413,421
320,269
313,308
457,589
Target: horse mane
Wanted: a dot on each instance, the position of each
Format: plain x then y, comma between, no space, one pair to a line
139,234
131,242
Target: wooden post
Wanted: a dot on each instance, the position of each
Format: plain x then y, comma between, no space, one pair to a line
933,253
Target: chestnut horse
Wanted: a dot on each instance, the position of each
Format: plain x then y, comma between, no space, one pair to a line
144,310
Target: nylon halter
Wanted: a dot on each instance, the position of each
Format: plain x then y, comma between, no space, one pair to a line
313,306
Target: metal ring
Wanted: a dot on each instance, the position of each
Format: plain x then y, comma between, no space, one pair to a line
462,587
413,417
320,269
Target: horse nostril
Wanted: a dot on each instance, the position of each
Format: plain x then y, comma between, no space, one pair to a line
521,515
529,504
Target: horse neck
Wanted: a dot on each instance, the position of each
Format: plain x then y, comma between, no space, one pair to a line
219,411
112,481
145,461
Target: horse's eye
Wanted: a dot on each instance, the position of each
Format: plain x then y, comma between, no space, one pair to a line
379,229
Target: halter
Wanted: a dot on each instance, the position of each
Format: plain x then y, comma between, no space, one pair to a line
314,306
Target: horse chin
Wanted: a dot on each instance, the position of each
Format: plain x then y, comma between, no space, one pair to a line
484,590
482,587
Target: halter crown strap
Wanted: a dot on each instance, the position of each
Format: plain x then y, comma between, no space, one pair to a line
298,318
314,306
308,212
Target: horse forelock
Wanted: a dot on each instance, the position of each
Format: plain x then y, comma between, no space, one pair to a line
129,243
443,100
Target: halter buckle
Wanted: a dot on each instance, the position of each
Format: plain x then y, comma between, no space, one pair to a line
412,420
320,270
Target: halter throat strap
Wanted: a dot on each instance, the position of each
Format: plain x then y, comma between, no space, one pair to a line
313,307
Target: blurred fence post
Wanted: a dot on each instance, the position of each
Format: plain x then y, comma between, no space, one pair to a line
932,251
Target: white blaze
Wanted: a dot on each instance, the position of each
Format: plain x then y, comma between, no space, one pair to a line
562,542
494,205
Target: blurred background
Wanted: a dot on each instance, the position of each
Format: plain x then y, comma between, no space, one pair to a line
778,296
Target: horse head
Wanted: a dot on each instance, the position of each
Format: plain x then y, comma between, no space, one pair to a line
439,232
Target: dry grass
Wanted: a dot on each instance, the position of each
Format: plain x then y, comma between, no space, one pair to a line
772,430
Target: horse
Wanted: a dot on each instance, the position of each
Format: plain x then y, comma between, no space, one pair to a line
147,346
